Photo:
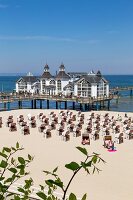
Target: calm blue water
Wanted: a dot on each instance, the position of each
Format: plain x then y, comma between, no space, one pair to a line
7,83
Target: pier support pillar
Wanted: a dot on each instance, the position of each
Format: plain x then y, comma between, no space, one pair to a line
97,106
8,106
108,104
103,104
34,103
47,104
73,105
40,104
80,106
131,93
100,105
56,104
4,106
86,107
19,104
65,105
117,100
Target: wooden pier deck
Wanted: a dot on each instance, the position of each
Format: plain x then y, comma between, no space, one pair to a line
7,99
119,89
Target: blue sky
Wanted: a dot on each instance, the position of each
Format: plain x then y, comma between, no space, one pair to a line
83,34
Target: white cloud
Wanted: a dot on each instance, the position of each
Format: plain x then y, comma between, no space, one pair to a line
35,38
48,38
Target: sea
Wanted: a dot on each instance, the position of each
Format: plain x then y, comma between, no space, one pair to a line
125,103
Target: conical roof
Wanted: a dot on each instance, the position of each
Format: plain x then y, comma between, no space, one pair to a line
46,74
99,73
62,74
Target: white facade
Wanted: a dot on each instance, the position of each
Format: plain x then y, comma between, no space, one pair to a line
94,90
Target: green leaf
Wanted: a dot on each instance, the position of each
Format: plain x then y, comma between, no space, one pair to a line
21,172
21,160
13,170
16,197
2,178
3,164
84,197
49,183
88,164
41,195
7,149
72,197
17,145
42,187
72,166
29,157
21,190
94,159
55,170
3,155
49,198
56,182
13,149
83,150
9,180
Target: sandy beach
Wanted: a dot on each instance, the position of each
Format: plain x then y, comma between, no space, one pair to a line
114,181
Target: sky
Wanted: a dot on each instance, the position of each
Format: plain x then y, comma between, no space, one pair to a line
83,34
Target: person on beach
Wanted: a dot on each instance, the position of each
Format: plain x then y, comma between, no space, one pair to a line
111,145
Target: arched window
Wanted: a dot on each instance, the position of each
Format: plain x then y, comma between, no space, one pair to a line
59,85
52,82
43,82
43,85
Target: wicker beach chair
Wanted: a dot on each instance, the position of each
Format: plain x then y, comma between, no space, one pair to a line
67,136
121,140
85,139
9,121
33,124
106,139
41,128
77,132
25,130
47,133
96,135
12,127
61,130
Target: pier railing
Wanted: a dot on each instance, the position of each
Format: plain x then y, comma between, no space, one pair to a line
4,98
121,88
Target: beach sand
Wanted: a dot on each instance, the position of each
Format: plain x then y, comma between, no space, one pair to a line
114,182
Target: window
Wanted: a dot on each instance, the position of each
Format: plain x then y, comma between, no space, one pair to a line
43,82
84,88
59,85
22,85
52,82
100,89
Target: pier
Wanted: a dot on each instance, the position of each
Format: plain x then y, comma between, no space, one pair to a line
84,104
117,90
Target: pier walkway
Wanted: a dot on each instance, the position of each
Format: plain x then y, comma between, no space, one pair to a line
8,98
116,90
